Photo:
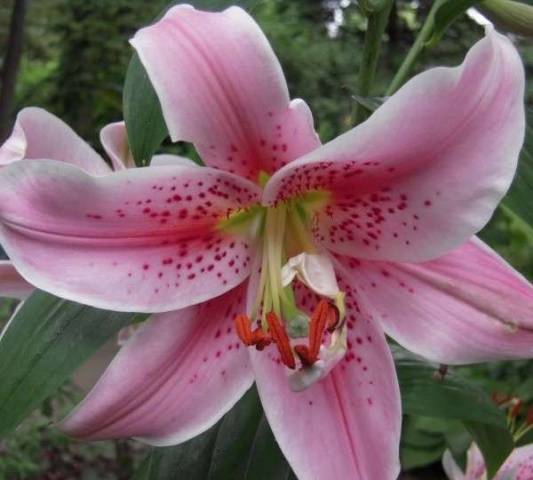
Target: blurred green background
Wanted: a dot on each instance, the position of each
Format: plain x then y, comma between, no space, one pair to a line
74,59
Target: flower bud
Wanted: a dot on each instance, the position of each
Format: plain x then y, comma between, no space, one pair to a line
509,16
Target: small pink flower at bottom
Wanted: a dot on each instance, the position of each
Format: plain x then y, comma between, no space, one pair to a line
519,465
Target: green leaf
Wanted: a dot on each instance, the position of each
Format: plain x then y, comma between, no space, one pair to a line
370,103
44,342
447,12
427,393
495,444
142,113
518,200
241,447
419,447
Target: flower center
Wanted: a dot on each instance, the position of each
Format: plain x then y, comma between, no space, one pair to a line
288,251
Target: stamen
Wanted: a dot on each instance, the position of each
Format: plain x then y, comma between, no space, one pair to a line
261,339
244,331
279,335
304,355
324,316
317,328
333,318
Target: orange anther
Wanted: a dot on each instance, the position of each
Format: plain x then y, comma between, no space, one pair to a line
317,328
333,318
261,339
244,331
279,335
303,353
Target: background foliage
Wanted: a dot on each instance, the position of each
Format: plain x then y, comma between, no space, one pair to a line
74,63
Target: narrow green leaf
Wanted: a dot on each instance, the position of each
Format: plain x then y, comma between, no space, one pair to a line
518,200
447,12
241,447
190,460
370,103
265,460
495,444
142,113
44,342
235,438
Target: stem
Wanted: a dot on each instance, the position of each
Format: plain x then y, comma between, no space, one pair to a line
409,61
377,22
10,68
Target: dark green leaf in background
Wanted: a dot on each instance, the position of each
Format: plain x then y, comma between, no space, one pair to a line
426,393
241,447
142,113
519,200
44,343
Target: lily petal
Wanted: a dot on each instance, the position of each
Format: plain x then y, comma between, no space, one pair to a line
176,377
166,159
221,87
38,134
11,283
144,239
313,270
114,139
518,466
426,171
347,425
467,306
452,470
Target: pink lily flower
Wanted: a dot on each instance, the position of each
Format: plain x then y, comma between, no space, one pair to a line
519,465
324,248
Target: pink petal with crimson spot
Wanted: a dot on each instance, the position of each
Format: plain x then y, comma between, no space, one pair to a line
144,239
11,283
221,87
519,465
38,134
174,379
346,425
427,169
466,306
